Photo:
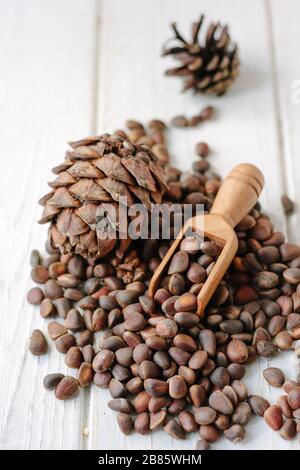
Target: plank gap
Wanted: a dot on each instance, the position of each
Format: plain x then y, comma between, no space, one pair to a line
96,74
277,107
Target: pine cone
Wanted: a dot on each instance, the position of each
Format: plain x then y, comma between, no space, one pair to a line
209,68
96,173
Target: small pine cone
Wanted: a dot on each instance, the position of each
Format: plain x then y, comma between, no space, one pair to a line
125,276
97,173
208,68
131,268
153,135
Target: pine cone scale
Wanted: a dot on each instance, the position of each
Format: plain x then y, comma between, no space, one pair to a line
140,172
48,213
111,166
63,198
87,189
83,169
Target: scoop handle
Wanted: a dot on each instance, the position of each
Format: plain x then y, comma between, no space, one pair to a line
238,193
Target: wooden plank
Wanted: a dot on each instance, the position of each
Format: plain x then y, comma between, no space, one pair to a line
46,77
285,18
131,84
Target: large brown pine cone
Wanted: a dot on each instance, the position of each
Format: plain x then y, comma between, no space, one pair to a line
210,67
96,174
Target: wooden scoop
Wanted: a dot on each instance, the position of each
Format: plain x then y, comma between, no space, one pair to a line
236,197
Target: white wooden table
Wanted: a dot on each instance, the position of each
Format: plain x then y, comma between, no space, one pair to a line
74,67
